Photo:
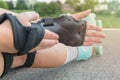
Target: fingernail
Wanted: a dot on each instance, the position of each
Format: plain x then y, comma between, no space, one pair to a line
57,36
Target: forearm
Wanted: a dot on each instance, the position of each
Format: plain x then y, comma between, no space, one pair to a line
47,58
6,35
6,38
51,57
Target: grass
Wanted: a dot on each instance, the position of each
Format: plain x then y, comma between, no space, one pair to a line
110,21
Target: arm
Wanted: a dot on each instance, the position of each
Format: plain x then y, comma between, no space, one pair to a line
7,44
6,38
56,55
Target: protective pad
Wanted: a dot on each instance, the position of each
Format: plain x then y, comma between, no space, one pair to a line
25,38
71,32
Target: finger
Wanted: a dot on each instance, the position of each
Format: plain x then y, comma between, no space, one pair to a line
90,33
50,35
88,43
48,43
44,44
26,17
92,27
80,15
31,16
93,39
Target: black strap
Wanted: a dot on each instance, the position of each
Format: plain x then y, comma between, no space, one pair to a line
25,38
48,21
8,60
2,18
30,59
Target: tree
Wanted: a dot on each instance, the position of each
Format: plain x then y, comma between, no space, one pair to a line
48,9
73,3
113,6
21,5
41,8
30,3
55,7
79,5
117,13
3,4
89,4
10,4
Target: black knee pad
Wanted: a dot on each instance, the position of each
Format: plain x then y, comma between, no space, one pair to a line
71,32
25,38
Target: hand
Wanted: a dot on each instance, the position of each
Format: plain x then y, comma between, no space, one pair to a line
49,39
91,37
25,18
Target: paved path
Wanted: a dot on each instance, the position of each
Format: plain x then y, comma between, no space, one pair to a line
105,67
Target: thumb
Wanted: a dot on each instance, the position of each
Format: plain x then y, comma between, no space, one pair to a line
31,16
81,15
26,17
50,35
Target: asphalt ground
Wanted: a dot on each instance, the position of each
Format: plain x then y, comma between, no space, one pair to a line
105,67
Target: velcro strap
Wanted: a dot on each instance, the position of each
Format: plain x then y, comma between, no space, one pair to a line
2,18
48,21
25,38
8,60
30,59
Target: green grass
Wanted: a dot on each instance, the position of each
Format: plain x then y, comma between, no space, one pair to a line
110,21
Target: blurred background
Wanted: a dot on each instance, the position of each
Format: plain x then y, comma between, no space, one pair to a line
106,10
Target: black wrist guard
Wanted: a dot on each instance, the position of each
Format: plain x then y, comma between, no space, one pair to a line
25,38
71,32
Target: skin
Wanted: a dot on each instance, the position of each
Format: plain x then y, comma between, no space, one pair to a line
48,58
6,34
